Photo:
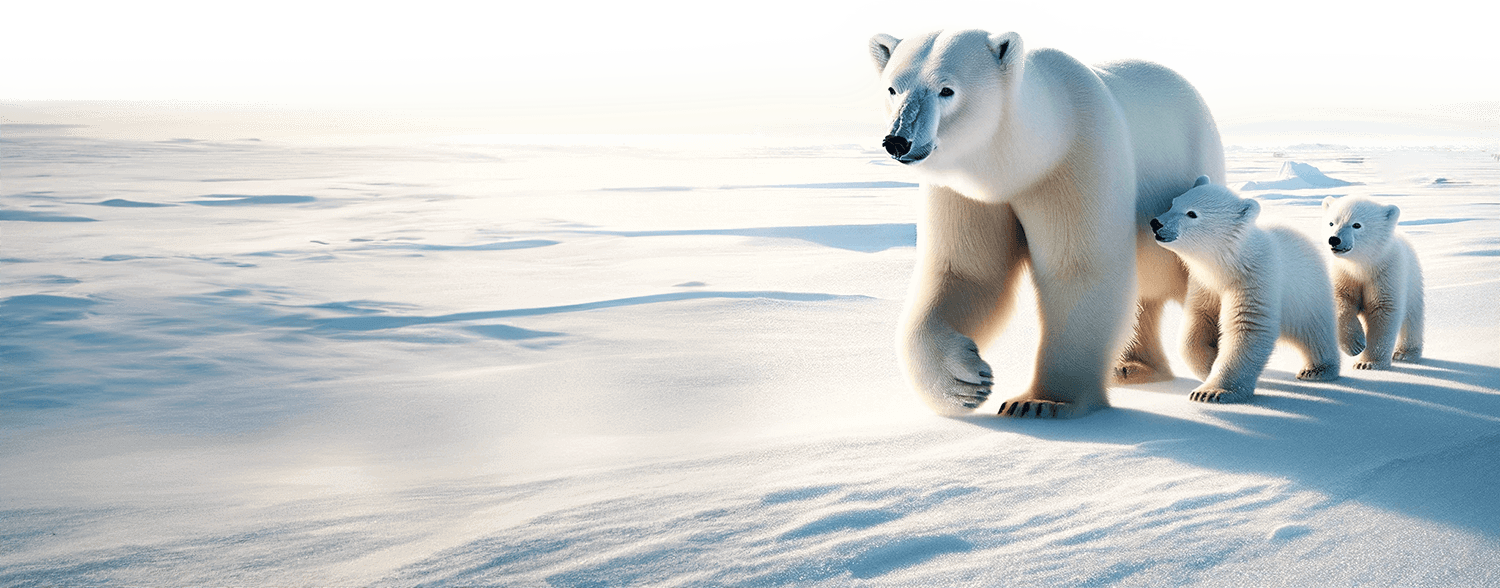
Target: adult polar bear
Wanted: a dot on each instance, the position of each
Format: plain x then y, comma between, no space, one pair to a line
1032,158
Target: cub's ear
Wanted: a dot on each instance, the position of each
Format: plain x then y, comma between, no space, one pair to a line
1249,209
1392,213
1201,181
881,48
1007,48
1327,202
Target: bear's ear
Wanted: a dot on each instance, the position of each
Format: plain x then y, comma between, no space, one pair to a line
1392,213
881,48
1006,47
1249,209
1327,202
1201,181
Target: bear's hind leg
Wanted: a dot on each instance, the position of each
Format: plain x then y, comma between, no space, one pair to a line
1160,277
1200,334
1348,299
1144,360
1319,347
1409,343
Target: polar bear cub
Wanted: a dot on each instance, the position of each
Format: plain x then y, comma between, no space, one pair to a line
1376,277
1248,287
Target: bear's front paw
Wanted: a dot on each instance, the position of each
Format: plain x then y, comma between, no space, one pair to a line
1408,355
951,376
1372,365
1219,395
1048,404
968,395
971,377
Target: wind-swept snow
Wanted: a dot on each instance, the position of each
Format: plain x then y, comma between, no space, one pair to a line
518,363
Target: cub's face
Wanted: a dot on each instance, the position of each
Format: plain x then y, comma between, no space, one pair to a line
944,92
1359,229
1206,219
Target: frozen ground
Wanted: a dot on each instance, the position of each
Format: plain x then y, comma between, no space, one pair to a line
666,361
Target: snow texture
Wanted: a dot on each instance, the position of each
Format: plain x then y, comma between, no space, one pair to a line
664,362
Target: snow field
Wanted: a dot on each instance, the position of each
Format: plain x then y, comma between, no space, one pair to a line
664,361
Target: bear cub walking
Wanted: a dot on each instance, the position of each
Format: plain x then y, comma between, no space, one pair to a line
1376,277
1247,288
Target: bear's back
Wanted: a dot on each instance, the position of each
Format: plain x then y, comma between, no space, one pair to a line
1172,133
1305,286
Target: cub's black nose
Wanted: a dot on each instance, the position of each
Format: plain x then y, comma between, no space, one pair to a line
896,146
1334,241
1155,225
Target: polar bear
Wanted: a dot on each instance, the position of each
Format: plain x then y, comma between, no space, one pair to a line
1032,160
1377,276
1247,287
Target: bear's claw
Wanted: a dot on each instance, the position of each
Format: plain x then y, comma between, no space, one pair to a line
1218,395
1041,409
972,399
1320,373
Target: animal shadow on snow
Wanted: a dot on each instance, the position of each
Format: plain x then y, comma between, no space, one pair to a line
1428,448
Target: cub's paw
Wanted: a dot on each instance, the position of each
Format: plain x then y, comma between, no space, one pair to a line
1219,396
1353,345
1408,355
1372,365
1136,372
1320,373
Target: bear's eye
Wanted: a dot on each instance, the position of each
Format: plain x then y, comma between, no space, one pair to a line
891,90
1356,225
945,92
1192,214
1330,224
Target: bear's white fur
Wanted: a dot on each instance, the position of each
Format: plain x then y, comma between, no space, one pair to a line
1248,286
1377,277
1034,160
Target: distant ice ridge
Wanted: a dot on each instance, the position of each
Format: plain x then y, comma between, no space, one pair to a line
1297,176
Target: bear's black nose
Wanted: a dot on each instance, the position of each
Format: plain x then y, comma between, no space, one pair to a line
1334,241
1155,225
896,146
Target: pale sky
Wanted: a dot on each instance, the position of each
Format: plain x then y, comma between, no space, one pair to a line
824,86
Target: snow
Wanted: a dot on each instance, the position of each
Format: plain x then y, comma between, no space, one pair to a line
1295,176
667,361
261,363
